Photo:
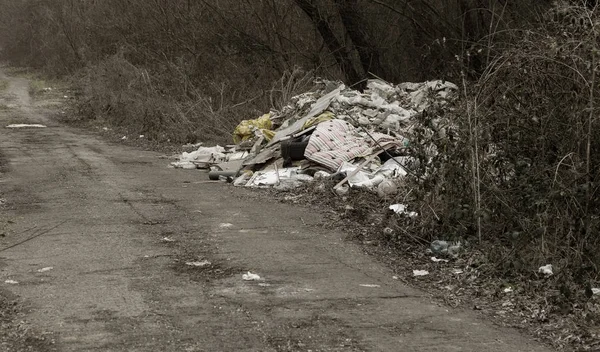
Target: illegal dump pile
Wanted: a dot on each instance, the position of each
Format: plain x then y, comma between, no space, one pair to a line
333,132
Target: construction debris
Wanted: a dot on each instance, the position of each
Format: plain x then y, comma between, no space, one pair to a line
333,132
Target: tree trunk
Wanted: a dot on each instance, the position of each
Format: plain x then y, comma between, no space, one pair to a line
339,51
356,28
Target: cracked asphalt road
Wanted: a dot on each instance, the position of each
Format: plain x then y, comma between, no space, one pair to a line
100,234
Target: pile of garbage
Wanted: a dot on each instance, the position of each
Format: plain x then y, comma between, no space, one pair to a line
332,132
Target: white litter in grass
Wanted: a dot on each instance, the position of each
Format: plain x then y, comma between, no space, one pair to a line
199,264
250,277
546,270
167,239
142,136
264,284
401,210
420,272
25,125
11,282
457,271
395,277
43,270
124,138
225,225
437,260
370,285
508,290
596,291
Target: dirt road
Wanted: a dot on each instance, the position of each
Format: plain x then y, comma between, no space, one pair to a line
99,234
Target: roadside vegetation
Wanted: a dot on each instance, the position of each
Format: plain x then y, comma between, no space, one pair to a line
516,173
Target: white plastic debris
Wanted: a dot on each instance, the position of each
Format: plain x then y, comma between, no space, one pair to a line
142,136
401,210
124,138
288,176
321,175
437,260
387,188
342,190
11,282
225,225
250,277
546,270
25,125
167,240
457,271
596,291
200,158
199,264
43,270
420,272
508,290
370,285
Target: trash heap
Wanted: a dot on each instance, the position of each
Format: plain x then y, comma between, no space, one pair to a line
332,132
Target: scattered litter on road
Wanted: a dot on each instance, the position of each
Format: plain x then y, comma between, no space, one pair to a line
370,285
420,272
24,125
11,282
43,270
250,277
167,240
546,270
199,264
225,225
437,260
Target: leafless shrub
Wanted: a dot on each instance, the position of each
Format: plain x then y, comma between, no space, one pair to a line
520,165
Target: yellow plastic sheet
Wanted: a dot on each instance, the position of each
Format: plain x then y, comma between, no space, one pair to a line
245,130
326,116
